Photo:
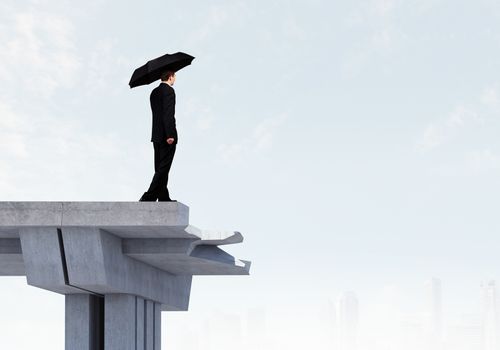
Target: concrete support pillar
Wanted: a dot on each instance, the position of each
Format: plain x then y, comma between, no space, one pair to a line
84,322
131,323
157,326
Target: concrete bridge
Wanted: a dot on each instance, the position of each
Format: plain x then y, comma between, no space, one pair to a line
119,264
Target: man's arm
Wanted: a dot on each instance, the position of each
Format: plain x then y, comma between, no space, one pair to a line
168,113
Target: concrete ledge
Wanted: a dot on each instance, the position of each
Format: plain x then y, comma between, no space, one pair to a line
125,214
17,214
150,217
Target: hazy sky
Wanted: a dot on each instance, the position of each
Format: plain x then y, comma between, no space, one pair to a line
353,143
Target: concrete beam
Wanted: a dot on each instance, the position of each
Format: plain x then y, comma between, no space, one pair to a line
11,257
96,263
43,259
185,257
125,219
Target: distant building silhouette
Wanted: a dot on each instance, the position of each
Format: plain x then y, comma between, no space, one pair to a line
433,314
489,311
347,321
465,333
256,329
411,332
331,321
224,331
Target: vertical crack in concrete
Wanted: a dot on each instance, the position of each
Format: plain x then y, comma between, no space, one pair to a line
63,256
65,265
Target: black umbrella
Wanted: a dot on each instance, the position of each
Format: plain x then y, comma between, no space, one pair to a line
152,70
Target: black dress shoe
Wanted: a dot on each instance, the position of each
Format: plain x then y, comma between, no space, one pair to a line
167,200
146,198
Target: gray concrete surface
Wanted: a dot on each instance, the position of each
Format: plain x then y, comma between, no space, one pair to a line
84,320
95,263
118,263
131,323
11,257
43,260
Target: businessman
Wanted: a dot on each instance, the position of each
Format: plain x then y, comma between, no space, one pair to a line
163,136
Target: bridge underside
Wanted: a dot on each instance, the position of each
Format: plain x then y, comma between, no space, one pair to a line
119,264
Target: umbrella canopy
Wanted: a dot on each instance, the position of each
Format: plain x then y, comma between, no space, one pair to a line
152,70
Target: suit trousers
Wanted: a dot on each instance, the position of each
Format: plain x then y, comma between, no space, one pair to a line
164,155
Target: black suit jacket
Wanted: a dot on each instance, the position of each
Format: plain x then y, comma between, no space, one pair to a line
163,107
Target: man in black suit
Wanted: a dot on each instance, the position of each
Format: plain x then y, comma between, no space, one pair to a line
163,136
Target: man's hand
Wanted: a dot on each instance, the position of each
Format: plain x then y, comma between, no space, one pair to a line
170,140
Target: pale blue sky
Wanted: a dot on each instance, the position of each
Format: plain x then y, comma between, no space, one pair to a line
353,143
